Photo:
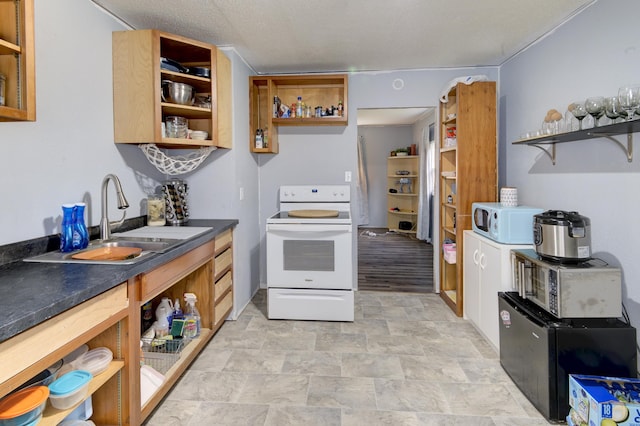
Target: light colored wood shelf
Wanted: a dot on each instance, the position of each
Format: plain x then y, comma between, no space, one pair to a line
315,90
468,173
17,64
53,416
137,75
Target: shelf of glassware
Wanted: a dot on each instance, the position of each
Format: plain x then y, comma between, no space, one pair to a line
608,131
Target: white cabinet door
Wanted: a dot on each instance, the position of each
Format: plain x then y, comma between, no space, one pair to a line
487,271
490,283
471,280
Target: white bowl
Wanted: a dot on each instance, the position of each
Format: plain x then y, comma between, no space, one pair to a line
199,134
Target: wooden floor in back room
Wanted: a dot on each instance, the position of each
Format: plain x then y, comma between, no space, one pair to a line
389,261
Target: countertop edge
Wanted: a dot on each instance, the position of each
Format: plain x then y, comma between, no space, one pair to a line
31,293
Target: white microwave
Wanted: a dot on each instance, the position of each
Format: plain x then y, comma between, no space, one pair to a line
506,225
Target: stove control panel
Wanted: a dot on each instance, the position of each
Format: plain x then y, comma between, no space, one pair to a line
317,193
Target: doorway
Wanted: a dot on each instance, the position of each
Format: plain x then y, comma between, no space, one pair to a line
393,260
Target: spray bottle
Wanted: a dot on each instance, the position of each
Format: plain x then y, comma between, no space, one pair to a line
191,316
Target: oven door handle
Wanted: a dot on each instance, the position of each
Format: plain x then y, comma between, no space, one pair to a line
303,227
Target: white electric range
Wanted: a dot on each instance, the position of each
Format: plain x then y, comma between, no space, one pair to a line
309,249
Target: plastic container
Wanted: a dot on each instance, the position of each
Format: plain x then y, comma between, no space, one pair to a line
23,407
82,412
77,423
95,361
69,389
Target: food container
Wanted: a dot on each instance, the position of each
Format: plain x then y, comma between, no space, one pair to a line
69,389
155,210
77,423
95,361
23,407
83,411
176,127
603,401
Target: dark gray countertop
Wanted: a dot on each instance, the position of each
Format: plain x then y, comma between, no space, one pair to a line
31,293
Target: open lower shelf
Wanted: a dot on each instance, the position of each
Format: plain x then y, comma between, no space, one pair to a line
187,355
402,231
53,416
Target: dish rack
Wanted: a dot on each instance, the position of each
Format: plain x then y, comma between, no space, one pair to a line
162,354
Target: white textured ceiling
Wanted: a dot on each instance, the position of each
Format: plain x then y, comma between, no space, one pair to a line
289,36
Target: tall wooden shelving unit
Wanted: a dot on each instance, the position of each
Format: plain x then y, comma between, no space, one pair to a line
403,204
468,173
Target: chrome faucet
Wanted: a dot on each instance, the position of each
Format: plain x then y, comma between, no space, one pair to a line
105,225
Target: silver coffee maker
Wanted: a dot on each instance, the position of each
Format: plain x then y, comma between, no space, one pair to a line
175,197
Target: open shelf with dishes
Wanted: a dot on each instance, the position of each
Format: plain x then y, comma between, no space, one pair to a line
147,61
468,173
403,187
323,92
17,61
607,131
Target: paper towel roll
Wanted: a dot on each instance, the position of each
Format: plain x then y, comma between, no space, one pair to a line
509,196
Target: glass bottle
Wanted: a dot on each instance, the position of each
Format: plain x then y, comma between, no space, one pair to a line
156,210
66,232
80,231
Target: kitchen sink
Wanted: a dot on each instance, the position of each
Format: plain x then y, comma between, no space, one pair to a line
105,252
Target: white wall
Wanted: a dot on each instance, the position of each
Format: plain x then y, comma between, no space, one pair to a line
64,155
593,54
379,141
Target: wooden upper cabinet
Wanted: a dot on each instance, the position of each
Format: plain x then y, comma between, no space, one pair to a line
323,90
17,60
139,109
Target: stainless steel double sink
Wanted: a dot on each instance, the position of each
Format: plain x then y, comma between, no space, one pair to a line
149,239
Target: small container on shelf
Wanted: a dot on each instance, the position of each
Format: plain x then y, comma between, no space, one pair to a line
69,389
23,407
449,251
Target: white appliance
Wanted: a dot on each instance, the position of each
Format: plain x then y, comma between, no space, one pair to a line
309,249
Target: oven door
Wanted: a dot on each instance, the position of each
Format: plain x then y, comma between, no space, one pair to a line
309,256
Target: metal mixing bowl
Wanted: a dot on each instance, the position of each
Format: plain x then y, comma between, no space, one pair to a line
177,93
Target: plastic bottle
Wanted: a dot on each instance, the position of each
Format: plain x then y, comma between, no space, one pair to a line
66,232
177,312
259,139
191,317
299,107
80,231
162,323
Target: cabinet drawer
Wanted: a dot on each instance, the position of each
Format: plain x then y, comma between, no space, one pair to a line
223,308
223,240
223,262
222,285
163,277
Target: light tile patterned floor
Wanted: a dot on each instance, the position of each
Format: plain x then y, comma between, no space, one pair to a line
406,360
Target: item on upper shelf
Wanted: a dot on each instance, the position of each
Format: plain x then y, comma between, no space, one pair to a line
200,71
177,93
403,172
171,65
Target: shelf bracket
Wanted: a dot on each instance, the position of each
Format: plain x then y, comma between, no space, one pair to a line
551,155
628,150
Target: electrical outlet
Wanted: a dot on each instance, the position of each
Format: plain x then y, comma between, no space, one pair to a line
347,176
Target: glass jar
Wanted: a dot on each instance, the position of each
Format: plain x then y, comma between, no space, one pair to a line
156,210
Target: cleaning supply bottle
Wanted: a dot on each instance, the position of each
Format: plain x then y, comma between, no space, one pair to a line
191,317
80,231
177,312
66,233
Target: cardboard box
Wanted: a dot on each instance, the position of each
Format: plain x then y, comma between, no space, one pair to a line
605,401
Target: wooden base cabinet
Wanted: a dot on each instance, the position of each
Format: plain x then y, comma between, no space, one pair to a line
487,271
113,320
468,173
99,322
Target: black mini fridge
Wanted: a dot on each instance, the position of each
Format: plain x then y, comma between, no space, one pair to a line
539,351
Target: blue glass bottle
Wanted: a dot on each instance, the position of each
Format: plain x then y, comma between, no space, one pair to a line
66,232
80,231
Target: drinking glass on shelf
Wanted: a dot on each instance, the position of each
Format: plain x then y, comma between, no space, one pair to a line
612,108
629,98
578,110
595,108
